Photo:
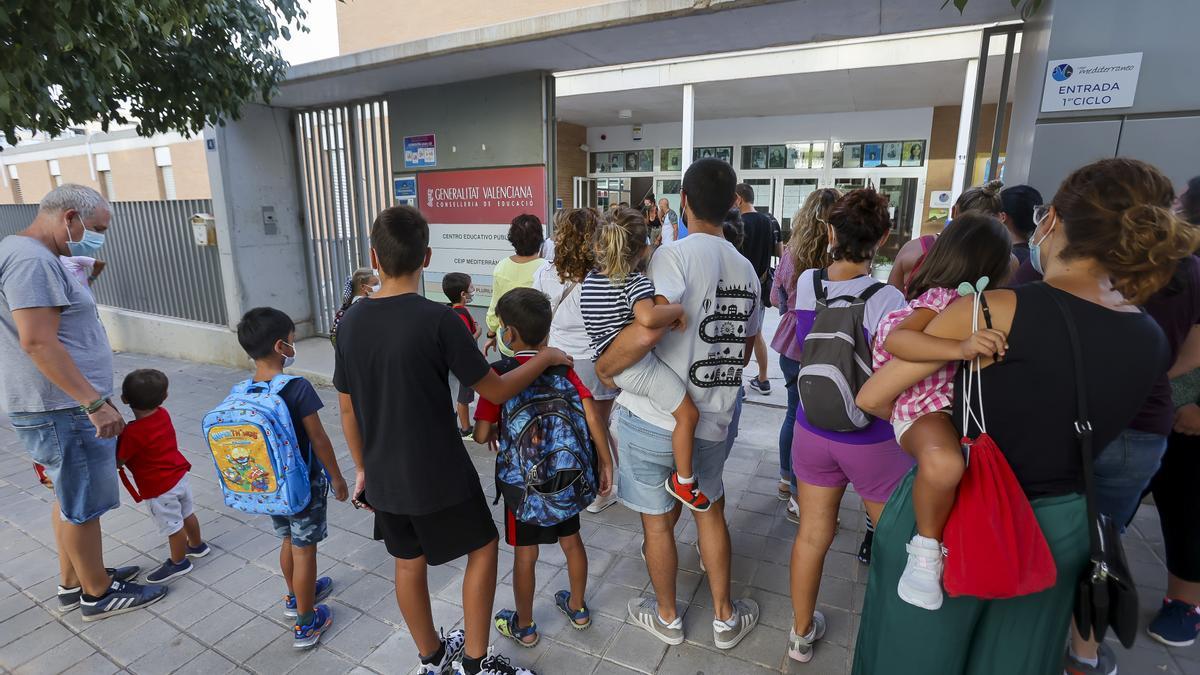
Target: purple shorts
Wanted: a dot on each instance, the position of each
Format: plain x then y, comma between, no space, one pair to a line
874,469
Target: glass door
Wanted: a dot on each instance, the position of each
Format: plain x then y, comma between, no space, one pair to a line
764,193
583,192
901,193
791,197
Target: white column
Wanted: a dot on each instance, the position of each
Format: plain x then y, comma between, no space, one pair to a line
964,130
689,124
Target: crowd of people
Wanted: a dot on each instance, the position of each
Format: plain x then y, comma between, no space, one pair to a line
1019,315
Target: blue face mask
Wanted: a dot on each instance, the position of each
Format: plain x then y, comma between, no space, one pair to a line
502,342
1035,247
88,246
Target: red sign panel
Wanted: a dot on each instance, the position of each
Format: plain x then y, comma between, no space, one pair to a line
480,196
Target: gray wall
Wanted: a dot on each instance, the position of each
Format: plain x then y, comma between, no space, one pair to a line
255,166
502,114
1163,125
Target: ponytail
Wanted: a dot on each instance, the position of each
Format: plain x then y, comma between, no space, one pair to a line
619,241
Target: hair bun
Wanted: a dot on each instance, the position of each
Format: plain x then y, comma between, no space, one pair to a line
993,187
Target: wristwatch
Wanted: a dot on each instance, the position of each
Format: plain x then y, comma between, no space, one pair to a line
94,406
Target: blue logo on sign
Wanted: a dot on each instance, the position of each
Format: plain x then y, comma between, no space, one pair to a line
1062,71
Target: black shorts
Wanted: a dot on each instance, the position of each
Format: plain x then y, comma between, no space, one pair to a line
466,395
517,533
440,536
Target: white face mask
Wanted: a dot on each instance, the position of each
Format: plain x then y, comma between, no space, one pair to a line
375,288
289,361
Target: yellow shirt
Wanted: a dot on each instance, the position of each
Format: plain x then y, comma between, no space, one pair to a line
507,276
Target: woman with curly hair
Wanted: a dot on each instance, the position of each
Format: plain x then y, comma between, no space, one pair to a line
575,256
807,248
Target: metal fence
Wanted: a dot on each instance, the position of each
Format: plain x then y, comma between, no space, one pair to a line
344,154
153,264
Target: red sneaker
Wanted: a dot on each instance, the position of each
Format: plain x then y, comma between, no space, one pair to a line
688,493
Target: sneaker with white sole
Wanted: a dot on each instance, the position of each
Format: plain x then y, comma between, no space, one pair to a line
644,612
761,386
494,664
307,635
122,596
170,570
921,583
324,587
800,647
603,502
68,598
727,634
1106,663
454,645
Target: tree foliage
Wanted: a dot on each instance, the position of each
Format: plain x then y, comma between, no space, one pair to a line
1028,7
170,64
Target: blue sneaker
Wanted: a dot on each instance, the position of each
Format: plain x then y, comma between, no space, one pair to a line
306,636
324,588
168,571
198,551
121,597
581,618
1176,624
68,598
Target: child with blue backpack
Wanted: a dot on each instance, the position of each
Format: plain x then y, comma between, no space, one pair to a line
268,336
546,467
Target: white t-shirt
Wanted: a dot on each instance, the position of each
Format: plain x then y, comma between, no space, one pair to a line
566,331
669,220
719,292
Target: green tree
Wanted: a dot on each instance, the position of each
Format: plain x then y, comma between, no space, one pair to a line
1028,7
172,64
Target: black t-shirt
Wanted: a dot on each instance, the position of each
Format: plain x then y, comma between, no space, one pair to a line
759,243
394,357
1029,398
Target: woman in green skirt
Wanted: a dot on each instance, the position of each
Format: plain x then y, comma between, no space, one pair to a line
1105,244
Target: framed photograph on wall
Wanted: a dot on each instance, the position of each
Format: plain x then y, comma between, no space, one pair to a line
758,157
891,154
645,160
725,154
600,162
816,156
669,159
797,155
852,155
616,162
835,156
631,161
872,155
776,157
914,153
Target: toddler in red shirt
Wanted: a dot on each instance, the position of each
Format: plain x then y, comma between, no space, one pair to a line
149,449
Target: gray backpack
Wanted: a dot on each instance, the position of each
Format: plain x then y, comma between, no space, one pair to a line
836,360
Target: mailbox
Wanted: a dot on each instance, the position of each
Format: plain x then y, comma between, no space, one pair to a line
204,229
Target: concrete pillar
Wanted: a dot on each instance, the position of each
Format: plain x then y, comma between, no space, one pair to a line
689,126
959,182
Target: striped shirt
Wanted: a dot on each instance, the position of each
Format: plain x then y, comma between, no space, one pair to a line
607,308
935,392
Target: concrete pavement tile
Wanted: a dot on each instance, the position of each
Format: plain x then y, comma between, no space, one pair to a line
827,658
324,662
360,637
606,667
180,592
152,635
398,653
265,598
279,656
200,605
96,664
257,547
556,658
166,658
773,578
243,580
28,569
387,610
365,592
248,639
23,623
689,659
13,605
610,599
1146,657
218,625
107,631
368,556
835,593
207,663
59,658
32,645
593,640
635,648
629,572
215,567
344,616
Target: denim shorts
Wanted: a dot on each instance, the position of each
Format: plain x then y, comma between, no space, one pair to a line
82,467
647,462
307,527
1123,469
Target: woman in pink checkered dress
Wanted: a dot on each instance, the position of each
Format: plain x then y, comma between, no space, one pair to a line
974,246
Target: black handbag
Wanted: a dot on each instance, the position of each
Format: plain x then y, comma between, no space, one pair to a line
1106,596
767,280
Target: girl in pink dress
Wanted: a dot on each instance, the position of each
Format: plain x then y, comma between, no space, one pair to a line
974,251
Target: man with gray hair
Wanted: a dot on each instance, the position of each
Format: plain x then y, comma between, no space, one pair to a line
58,377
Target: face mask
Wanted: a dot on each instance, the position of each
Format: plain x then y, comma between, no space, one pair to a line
288,361
88,246
375,288
1035,246
502,342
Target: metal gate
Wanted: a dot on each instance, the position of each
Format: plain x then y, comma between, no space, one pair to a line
345,168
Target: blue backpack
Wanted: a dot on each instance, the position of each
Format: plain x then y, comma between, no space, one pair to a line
546,466
253,443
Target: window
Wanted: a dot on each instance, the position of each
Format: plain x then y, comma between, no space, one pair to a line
166,182
18,198
106,185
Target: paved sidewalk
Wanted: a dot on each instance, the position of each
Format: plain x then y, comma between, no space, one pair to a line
225,616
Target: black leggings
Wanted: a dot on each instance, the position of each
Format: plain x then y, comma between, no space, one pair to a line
1178,508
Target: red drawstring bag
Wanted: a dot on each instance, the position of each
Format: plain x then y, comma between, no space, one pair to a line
994,547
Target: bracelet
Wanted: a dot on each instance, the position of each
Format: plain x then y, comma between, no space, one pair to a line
94,406
491,335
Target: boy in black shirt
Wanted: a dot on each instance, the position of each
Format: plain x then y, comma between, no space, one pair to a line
393,358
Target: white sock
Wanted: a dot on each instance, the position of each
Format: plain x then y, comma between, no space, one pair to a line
926,542
687,481
674,624
1091,662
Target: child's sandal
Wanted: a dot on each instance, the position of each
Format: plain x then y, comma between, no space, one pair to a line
508,626
581,618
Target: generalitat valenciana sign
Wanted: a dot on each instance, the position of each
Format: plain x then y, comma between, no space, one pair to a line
1091,83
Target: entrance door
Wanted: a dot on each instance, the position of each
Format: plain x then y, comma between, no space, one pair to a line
791,197
901,193
583,192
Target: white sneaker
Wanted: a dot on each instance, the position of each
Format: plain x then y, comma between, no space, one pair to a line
800,647
602,503
921,583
